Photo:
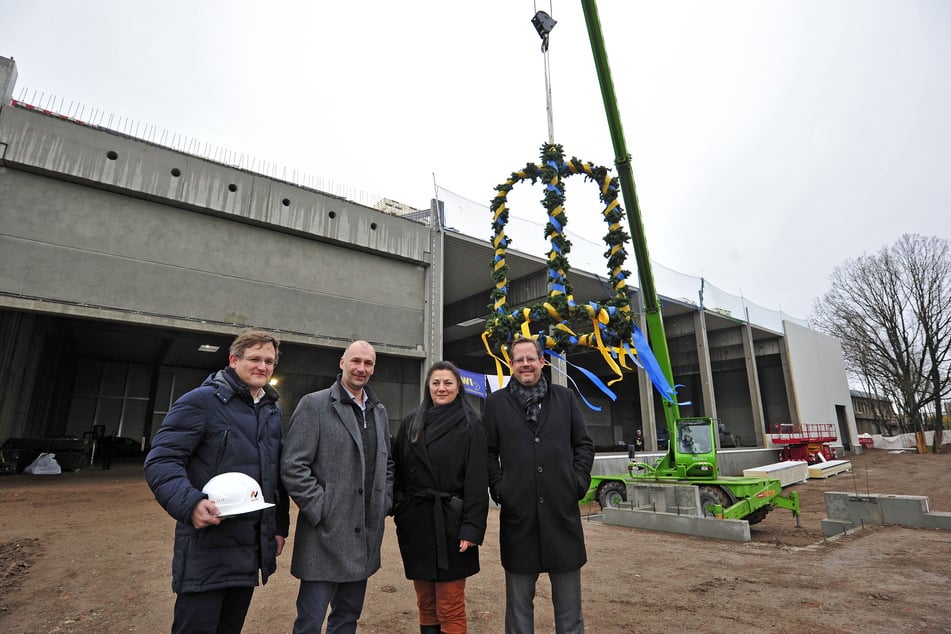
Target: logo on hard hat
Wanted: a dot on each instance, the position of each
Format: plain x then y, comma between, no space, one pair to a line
235,493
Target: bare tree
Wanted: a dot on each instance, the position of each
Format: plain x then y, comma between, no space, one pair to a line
928,265
892,313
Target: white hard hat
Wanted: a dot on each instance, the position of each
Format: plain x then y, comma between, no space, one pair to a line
235,493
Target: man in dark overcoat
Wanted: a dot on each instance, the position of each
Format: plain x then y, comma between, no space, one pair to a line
540,458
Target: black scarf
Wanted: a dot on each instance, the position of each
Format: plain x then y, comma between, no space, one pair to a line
441,418
530,397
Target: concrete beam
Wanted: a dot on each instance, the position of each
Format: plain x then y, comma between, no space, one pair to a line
732,530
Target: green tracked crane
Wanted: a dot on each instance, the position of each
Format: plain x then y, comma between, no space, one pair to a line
691,458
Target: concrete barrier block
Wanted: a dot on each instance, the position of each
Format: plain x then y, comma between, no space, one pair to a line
846,510
907,510
665,498
858,509
936,519
831,528
732,530
687,500
837,505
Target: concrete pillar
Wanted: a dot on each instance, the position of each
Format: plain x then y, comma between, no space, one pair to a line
791,397
752,380
433,329
646,391
559,370
706,368
8,79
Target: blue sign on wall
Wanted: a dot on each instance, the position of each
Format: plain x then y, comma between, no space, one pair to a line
473,383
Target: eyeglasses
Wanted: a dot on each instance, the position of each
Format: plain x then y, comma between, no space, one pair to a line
525,360
271,363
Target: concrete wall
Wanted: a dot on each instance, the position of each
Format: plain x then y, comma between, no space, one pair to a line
848,511
8,79
98,226
818,379
37,142
60,244
154,236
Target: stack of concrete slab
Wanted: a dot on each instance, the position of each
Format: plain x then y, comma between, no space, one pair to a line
788,472
829,468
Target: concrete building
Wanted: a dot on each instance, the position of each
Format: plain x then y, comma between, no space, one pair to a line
874,414
126,267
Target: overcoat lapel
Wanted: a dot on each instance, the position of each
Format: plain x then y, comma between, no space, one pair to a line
543,413
349,419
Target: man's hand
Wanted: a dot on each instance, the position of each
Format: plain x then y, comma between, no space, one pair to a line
280,543
465,544
205,514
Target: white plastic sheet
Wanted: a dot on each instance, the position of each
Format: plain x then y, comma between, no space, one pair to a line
44,464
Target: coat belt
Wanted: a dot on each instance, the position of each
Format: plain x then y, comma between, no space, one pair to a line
439,520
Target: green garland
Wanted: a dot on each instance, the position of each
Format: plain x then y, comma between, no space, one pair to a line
553,317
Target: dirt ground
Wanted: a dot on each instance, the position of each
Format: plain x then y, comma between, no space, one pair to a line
89,552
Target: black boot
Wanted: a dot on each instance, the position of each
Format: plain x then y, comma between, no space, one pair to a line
429,629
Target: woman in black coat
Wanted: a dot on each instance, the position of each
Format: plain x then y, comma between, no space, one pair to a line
441,499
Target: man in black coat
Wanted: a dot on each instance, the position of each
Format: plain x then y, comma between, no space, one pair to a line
540,458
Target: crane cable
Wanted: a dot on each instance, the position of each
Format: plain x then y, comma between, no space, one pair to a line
549,24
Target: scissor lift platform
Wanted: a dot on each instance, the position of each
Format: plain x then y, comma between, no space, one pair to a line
805,441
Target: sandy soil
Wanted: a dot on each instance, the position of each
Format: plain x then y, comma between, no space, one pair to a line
89,552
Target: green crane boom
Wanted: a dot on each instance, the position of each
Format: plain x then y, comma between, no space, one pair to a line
691,457
655,321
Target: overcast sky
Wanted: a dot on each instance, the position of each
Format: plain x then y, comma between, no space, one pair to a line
771,140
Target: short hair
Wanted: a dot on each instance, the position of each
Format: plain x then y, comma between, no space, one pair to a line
532,340
250,337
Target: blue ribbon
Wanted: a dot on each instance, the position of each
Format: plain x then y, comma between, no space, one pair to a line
650,365
591,377
632,356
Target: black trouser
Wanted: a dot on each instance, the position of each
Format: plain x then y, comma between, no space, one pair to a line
213,612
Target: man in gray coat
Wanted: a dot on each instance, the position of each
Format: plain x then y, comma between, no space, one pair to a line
337,467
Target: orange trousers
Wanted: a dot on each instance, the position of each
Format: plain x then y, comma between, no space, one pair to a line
442,603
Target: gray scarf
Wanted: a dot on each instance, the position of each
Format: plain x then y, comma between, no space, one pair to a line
530,397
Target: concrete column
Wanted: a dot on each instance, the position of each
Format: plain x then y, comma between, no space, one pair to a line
752,379
558,376
787,378
646,391
8,79
433,329
706,368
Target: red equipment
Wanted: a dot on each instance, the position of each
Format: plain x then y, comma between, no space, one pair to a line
805,441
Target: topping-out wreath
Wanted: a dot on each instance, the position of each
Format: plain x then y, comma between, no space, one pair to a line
552,321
